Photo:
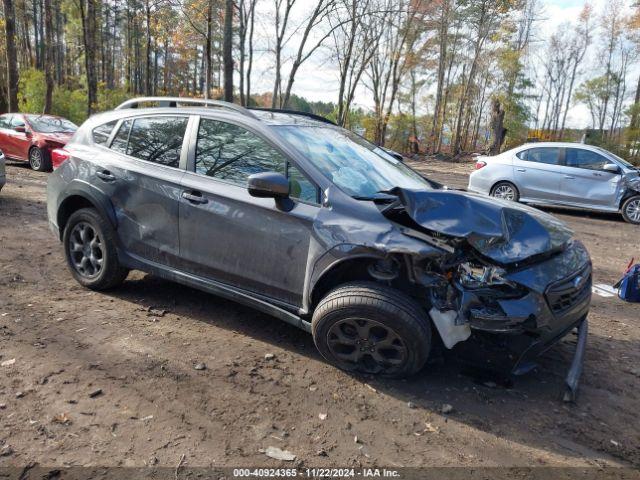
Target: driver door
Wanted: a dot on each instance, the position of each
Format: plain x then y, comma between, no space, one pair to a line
229,236
585,182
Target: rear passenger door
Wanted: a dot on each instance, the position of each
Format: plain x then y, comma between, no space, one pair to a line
538,173
586,182
231,237
141,173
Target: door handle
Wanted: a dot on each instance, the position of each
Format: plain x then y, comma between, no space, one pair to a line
194,197
597,174
106,175
569,177
521,169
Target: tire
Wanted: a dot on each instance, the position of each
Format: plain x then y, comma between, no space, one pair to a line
631,210
39,160
94,264
397,330
505,191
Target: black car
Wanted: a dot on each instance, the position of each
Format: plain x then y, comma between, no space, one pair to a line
310,223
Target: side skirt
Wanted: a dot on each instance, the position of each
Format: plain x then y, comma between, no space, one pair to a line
211,286
549,203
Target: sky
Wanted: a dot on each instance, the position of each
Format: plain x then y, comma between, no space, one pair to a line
317,79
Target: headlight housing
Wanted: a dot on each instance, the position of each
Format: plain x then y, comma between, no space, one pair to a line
479,276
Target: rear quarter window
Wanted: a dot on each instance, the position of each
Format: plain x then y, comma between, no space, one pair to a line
102,133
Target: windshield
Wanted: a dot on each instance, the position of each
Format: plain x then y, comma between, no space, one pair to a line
356,166
620,160
45,124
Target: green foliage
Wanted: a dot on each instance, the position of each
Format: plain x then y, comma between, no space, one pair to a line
31,91
70,104
69,100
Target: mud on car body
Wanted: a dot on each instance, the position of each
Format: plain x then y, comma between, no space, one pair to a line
308,222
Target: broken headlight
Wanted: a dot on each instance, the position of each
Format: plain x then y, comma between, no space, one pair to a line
479,276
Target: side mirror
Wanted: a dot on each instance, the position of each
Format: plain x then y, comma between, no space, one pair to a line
611,167
271,185
268,185
20,129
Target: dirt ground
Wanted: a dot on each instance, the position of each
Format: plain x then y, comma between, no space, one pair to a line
109,379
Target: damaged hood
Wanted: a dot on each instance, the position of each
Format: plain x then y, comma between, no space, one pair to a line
504,231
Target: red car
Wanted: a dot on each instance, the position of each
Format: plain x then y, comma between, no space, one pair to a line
31,137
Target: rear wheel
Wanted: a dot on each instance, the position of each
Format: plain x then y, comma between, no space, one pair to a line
505,191
631,210
39,160
371,328
89,244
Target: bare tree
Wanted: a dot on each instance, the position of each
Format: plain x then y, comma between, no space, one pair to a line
247,13
353,49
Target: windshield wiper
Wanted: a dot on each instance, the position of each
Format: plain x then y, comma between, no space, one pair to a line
382,196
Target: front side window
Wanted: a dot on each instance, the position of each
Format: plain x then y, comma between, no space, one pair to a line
579,158
102,132
351,162
549,156
154,139
300,187
231,153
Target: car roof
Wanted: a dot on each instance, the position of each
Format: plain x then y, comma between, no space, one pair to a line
261,116
141,106
554,144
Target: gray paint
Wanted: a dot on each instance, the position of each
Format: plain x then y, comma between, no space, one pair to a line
251,250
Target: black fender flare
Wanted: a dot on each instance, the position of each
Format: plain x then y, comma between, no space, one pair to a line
333,259
98,199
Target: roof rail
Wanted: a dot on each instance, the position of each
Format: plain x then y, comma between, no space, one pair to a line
176,101
294,112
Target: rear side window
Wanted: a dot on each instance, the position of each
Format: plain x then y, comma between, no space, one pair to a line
154,139
231,153
101,133
5,121
549,156
579,158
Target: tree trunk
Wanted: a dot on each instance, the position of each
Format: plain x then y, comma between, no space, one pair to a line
207,50
89,32
496,124
227,48
250,62
436,126
12,61
49,55
147,68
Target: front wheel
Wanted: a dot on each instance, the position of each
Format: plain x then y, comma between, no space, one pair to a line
505,191
89,245
39,160
631,210
371,328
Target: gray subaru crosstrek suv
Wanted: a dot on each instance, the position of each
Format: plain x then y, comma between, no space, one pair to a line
309,222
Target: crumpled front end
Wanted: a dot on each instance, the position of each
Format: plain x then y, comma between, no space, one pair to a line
510,276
